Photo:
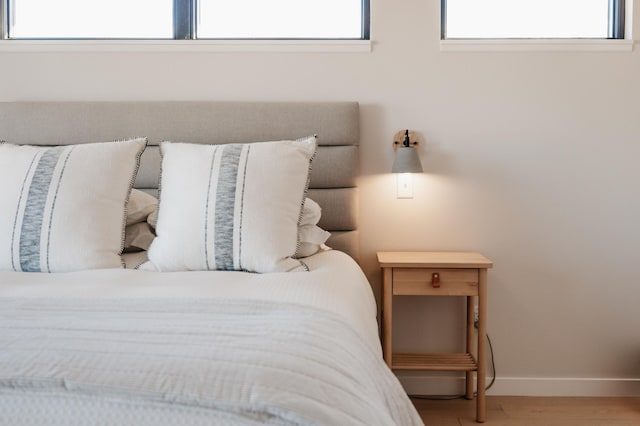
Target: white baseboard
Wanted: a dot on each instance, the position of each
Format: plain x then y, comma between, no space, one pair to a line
524,386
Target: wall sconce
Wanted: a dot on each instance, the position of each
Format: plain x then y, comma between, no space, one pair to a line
406,162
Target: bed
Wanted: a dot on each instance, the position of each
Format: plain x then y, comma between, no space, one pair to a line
189,333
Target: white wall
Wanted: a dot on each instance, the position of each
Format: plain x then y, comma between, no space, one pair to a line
532,159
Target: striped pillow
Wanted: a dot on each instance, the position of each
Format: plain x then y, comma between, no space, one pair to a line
64,207
231,207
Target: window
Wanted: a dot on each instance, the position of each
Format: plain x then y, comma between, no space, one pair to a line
522,19
90,19
285,19
185,19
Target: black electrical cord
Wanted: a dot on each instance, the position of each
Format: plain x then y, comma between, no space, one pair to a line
452,397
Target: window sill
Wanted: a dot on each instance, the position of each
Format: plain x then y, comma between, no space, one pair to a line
536,45
295,46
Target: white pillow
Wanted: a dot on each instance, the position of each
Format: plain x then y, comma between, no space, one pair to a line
231,207
139,233
311,236
138,237
312,239
64,208
140,206
134,260
311,213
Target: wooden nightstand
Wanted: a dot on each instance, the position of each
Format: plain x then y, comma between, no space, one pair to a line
439,274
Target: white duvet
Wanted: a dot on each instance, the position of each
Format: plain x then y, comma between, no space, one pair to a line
133,347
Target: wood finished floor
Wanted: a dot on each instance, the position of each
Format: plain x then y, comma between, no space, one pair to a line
533,411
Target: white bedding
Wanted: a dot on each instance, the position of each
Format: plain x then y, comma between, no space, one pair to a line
334,376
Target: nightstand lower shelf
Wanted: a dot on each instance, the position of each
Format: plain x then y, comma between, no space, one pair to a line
434,362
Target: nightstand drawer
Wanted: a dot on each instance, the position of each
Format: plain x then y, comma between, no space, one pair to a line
434,281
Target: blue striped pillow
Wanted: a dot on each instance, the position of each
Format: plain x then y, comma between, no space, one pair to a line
231,207
64,207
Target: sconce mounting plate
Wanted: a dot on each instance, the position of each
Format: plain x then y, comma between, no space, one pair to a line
398,138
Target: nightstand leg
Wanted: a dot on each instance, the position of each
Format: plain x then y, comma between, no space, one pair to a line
387,306
482,344
470,350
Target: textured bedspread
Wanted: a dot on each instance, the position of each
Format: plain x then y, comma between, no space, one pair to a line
154,361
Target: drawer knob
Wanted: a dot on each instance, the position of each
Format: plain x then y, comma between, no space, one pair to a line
435,280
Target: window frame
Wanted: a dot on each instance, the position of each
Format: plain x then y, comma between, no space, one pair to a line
3,20
184,17
615,31
617,19
184,27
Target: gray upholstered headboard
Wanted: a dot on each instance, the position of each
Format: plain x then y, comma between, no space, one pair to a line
334,169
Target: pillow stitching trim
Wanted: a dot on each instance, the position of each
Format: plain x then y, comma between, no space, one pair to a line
137,267
304,196
132,180
160,146
304,265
